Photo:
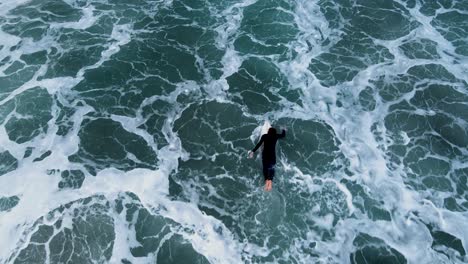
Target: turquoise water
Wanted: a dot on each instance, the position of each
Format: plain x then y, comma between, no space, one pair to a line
125,127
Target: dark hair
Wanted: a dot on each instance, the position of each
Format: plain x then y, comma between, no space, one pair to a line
271,131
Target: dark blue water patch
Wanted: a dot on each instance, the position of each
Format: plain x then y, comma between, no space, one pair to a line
43,156
429,8
421,49
43,234
178,33
441,184
151,54
71,179
14,67
447,244
353,53
33,108
149,231
78,48
6,59
15,79
108,90
367,99
427,172
360,24
198,11
450,107
335,12
442,98
64,119
202,127
104,143
245,44
49,11
34,29
110,75
455,205
71,50
35,58
34,19
28,152
260,86
460,5
154,67
267,28
201,40
382,19
390,88
374,250
450,130
438,145
7,162
433,71
426,166
310,145
6,203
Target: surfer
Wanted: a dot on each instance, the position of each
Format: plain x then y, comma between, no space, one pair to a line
268,154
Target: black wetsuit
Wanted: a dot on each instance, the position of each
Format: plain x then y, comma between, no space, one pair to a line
269,154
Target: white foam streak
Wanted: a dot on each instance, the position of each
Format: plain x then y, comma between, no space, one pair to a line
231,60
86,21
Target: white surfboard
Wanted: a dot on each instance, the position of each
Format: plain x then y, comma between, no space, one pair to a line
265,128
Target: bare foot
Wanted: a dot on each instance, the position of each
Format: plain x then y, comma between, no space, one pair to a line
268,185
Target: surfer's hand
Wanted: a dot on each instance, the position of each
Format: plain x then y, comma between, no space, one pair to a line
251,154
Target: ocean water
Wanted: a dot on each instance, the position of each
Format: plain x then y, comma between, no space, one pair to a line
125,127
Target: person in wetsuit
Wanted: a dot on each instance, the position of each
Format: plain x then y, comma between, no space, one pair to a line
268,155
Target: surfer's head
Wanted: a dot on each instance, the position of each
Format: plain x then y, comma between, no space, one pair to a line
271,131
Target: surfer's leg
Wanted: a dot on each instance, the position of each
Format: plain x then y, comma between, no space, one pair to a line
271,174
265,170
268,173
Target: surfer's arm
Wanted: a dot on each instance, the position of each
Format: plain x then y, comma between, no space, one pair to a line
283,134
259,143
